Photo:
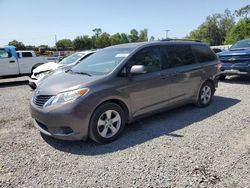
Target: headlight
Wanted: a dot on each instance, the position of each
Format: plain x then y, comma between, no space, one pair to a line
68,96
41,75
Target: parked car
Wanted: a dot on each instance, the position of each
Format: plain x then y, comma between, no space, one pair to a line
18,63
122,83
41,71
236,61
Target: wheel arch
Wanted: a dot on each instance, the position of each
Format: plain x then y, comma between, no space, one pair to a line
206,80
35,66
120,103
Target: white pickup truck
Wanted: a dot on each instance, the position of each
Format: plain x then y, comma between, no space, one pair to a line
18,63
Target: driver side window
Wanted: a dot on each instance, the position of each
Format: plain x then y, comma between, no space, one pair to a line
4,54
149,57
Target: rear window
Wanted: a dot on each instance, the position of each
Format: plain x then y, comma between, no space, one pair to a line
177,55
26,54
204,53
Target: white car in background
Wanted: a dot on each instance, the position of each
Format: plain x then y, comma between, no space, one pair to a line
42,70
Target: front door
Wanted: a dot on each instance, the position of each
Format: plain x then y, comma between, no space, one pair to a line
8,64
145,90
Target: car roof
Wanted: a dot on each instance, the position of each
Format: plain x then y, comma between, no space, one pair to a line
87,51
149,43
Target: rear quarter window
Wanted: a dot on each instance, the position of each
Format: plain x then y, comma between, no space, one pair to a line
203,53
26,54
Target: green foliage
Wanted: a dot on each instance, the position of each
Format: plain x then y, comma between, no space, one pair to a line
97,31
143,36
115,39
243,12
240,31
43,46
82,42
64,44
214,29
30,47
17,44
103,39
133,37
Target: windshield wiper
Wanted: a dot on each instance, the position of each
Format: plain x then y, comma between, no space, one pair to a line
83,73
73,72
69,70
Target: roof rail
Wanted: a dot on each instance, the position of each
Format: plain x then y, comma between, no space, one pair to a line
188,40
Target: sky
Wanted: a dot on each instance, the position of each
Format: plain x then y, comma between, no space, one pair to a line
36,22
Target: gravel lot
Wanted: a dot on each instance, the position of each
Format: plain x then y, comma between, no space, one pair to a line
185,147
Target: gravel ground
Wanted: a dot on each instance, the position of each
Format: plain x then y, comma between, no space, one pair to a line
185,147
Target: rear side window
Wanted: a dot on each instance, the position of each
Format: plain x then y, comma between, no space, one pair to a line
177,55
26,54
149,57
203,53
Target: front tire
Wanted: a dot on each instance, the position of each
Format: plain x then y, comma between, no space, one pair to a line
107,123
205,95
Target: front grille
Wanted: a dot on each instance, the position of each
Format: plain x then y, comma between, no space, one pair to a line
235,59
40,100
236,56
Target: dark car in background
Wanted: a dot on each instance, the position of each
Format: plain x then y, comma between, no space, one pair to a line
236,61
122,83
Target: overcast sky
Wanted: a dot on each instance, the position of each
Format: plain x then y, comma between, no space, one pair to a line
36,22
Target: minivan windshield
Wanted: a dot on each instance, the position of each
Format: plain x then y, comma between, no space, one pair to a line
242,44
103,61
71,59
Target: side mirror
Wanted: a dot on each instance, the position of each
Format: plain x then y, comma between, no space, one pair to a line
138,69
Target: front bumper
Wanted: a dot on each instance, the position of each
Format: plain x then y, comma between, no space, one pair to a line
230,72
67,121
33,83
229,69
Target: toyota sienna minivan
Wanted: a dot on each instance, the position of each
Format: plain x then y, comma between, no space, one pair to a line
122,83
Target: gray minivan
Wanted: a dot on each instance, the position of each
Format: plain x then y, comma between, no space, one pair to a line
122,83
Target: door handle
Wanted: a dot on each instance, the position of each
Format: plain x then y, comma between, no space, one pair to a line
12,61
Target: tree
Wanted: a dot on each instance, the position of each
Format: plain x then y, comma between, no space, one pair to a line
17,44
82,43
243,12
214,29
103,40
240,31
43,46
124,38
152,38
115,39
64,44
133,37
30,47
143,36
97,31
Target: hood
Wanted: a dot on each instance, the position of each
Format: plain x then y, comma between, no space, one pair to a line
62,81
47,67
234,52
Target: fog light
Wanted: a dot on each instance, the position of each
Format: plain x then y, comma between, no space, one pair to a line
64,130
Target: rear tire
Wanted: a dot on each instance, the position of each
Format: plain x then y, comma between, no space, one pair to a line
205,94
107,123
